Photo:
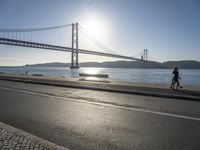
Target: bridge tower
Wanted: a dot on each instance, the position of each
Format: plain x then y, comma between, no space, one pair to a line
145,56
74,56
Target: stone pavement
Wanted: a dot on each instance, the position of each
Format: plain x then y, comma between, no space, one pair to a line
15,139
10,141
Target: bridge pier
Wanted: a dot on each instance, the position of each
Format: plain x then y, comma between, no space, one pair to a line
74,54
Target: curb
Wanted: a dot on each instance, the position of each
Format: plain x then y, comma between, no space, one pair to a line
33,139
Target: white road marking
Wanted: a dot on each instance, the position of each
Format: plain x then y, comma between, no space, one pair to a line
107,104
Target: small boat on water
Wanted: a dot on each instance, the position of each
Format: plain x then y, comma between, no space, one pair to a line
93,75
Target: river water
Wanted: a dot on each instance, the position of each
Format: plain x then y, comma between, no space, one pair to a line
189,77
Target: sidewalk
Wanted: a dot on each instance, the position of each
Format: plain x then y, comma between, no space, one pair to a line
188,93
15,139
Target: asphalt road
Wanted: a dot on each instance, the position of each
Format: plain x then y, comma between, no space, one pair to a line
84,119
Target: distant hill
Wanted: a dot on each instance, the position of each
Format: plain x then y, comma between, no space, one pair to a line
124,64
53,64
185,64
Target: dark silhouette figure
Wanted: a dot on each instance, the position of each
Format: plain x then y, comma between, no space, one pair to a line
175,85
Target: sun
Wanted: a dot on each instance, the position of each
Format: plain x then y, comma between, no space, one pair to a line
96,26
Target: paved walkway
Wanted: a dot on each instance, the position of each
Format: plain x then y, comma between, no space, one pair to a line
8,140
15,139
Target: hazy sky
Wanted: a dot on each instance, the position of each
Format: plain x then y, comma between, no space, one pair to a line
169,29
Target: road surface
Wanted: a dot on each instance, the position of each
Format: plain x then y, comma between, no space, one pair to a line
90,120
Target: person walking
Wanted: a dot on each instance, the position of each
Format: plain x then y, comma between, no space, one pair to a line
175,85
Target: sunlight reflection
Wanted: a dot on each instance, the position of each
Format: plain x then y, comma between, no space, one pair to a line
91,71
92,78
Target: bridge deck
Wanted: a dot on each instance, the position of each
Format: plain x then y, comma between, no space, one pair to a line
21,43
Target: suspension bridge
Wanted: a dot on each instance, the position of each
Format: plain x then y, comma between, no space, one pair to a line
42,39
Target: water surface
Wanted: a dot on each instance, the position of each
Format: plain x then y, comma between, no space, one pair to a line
161,76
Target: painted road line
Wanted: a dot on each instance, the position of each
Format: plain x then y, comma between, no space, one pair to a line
114,105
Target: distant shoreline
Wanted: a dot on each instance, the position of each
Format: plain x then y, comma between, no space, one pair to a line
184,64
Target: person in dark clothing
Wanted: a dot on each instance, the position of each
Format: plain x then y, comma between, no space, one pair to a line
175,85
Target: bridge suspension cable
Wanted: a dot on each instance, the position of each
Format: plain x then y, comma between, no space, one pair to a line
53,34
138,54
33,29
95,41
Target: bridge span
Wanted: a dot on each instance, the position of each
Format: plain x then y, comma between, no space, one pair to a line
74,49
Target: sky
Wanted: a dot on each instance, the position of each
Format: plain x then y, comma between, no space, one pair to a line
169,29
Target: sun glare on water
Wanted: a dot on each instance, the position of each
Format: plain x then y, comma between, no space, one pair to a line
91,71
